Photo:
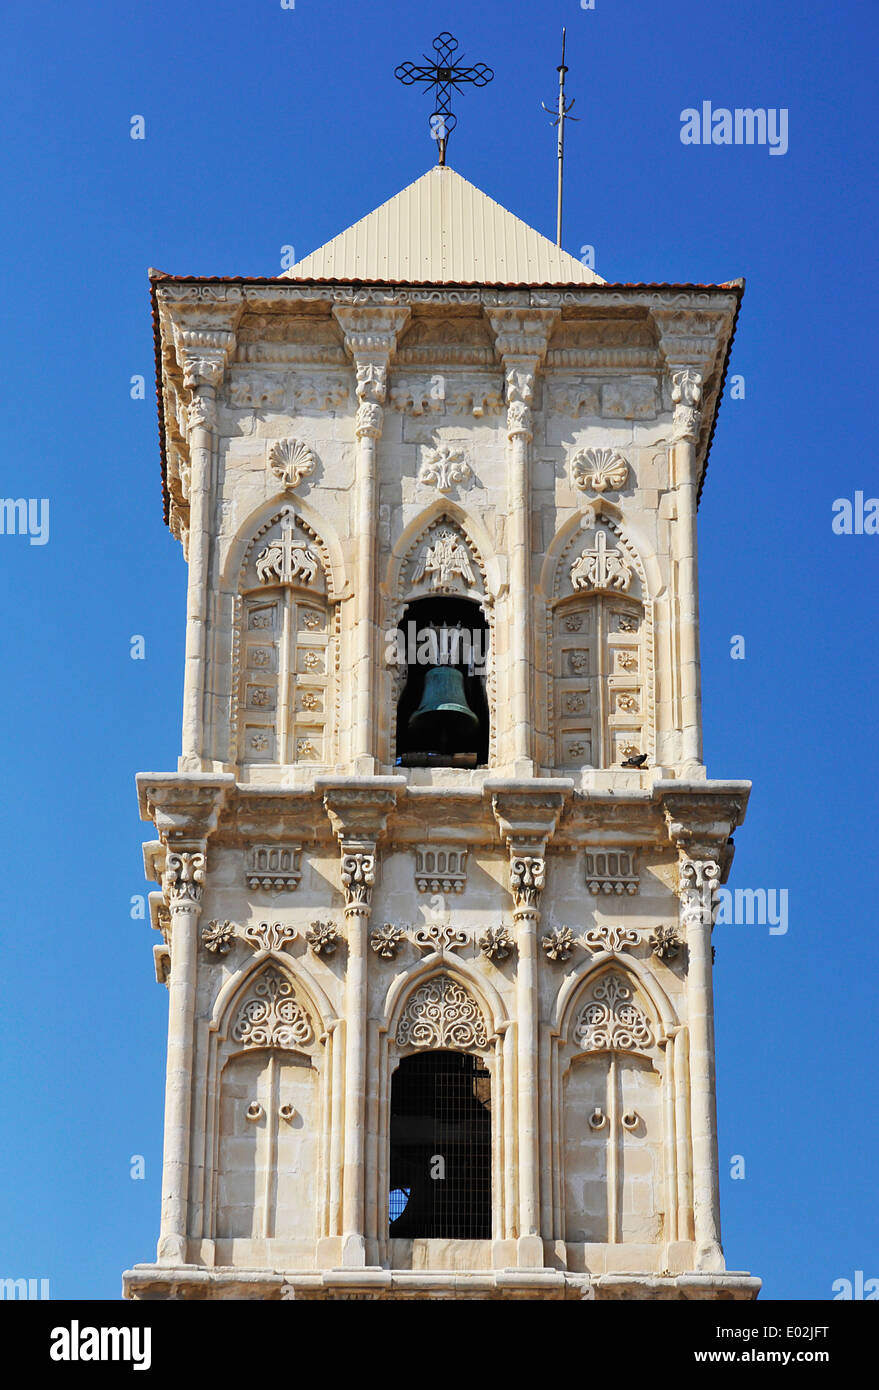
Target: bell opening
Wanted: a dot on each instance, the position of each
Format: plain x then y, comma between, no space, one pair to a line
442,712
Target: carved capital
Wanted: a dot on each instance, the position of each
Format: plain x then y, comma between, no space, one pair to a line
698,882
369,421
522,333
183,877
358,878
686,395
527,877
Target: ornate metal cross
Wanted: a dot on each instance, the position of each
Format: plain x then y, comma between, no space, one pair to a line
444,73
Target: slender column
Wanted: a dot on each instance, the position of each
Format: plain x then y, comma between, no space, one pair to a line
527,877
521,341
203,355
358,877
370,337
698,889
183,883
687,397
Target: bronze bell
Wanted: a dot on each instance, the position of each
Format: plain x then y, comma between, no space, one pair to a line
443,722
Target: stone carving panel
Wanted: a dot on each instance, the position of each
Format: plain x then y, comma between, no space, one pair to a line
442,1014
270,1015
611,1020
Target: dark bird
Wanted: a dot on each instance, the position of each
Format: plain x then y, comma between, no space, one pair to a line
637,760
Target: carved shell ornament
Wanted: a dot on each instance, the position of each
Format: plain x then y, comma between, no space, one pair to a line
599,470
291,460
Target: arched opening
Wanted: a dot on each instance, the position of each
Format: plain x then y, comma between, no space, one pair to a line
442,709
440,1169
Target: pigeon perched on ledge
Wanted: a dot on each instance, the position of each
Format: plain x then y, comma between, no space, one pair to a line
638,760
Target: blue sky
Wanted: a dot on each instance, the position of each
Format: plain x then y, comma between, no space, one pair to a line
267,127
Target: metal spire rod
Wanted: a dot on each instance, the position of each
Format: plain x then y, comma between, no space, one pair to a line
560,122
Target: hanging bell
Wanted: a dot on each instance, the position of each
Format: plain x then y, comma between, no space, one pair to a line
443,722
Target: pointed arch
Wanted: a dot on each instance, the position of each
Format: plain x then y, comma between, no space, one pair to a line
395,588
579,982
233,992
405,986
321,535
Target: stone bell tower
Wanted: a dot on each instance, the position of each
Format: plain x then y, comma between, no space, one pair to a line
439,859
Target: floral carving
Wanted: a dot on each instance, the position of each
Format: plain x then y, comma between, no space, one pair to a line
444,467
686,396
270,1015
447,557
699,882
496,943
268,936
573,622
442,1014
665,943
613,939
599,470
387,940
612,1019
440,936
601,568
217,937
558,944
323,938
291,460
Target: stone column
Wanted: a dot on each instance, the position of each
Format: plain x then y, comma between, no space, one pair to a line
182,884
687,398
698,883
358,877
370,337
521,337
527,876
202,354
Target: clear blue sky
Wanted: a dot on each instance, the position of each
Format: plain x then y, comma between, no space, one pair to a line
266,127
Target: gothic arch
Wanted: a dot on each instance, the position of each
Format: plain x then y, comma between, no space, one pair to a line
395,589
577,984
257,522
234,990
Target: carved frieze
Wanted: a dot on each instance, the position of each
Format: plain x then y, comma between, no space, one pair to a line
274,868
611,871
440,870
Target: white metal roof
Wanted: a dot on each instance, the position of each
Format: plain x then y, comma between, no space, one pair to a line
443,229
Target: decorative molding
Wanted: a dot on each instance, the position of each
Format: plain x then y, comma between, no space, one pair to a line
442,1014
665,943
323,938
387,940
527,878
274,868
599,470
496,943
291,460
268,936
558,944
183,878
601,568
612,939
611,871
218,937
270,1015
444,467
447,394
612,1021
440,937
440,870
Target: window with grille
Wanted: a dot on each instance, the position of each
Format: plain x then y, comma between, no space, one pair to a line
440,1174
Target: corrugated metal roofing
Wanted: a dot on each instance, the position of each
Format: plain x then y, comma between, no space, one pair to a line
442,229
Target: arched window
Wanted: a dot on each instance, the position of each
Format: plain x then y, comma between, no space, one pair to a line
599,656
440,1171
286,650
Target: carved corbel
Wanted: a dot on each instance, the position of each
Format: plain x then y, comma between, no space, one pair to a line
202,354
686,394
371,339
183,877
521,339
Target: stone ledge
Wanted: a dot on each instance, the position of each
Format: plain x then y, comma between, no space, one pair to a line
159,1282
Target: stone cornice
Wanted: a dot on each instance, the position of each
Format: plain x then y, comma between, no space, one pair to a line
184,807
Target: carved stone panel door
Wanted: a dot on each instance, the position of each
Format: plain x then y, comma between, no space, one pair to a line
613,1149
267,1148
600,713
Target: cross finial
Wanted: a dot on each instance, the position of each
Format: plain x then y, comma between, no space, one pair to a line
444,73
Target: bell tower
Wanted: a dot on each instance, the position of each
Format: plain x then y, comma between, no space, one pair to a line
438,865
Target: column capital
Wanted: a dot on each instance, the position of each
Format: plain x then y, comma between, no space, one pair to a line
686,395
183,877
184,808
371,339
202,354
521,340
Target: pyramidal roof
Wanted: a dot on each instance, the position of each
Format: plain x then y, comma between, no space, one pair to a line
440,230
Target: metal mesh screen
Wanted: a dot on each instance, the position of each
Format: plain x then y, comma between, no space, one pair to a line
441,1147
